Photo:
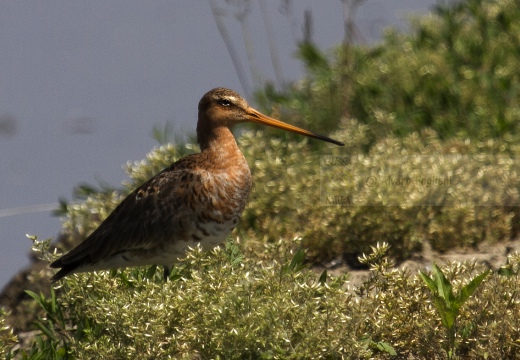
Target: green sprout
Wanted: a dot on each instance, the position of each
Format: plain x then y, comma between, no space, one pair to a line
447,303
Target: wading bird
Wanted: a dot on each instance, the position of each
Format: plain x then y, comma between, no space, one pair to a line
196,200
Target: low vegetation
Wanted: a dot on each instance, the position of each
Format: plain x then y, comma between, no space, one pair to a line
235,305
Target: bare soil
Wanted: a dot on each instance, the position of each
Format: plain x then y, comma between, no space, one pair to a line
492,256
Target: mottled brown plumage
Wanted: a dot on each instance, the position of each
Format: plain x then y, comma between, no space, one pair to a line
196,200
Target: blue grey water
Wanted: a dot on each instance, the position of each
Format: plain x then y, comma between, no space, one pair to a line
83,83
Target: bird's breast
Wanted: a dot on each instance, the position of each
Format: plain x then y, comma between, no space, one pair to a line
221,196
212,203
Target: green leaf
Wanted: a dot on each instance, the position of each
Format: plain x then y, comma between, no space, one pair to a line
233,251
444,288
443,298
313,58
506,271
44,329
447,314
469,289
61,352
297,261
150,272
323,277
33,295
429,282
386,347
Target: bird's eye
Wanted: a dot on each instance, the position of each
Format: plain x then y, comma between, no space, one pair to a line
224,102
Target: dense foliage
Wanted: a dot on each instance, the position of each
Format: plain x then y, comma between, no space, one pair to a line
235,305
457,72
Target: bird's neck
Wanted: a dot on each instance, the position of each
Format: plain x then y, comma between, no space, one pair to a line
220,144
215,138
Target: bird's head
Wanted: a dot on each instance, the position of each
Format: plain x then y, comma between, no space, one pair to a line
224,107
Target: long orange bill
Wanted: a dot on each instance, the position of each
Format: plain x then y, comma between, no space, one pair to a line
260,118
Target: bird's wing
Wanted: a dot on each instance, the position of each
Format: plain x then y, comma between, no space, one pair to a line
148,212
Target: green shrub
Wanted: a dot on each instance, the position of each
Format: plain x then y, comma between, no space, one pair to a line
233,305
476,205
457,72
226,306
7,338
